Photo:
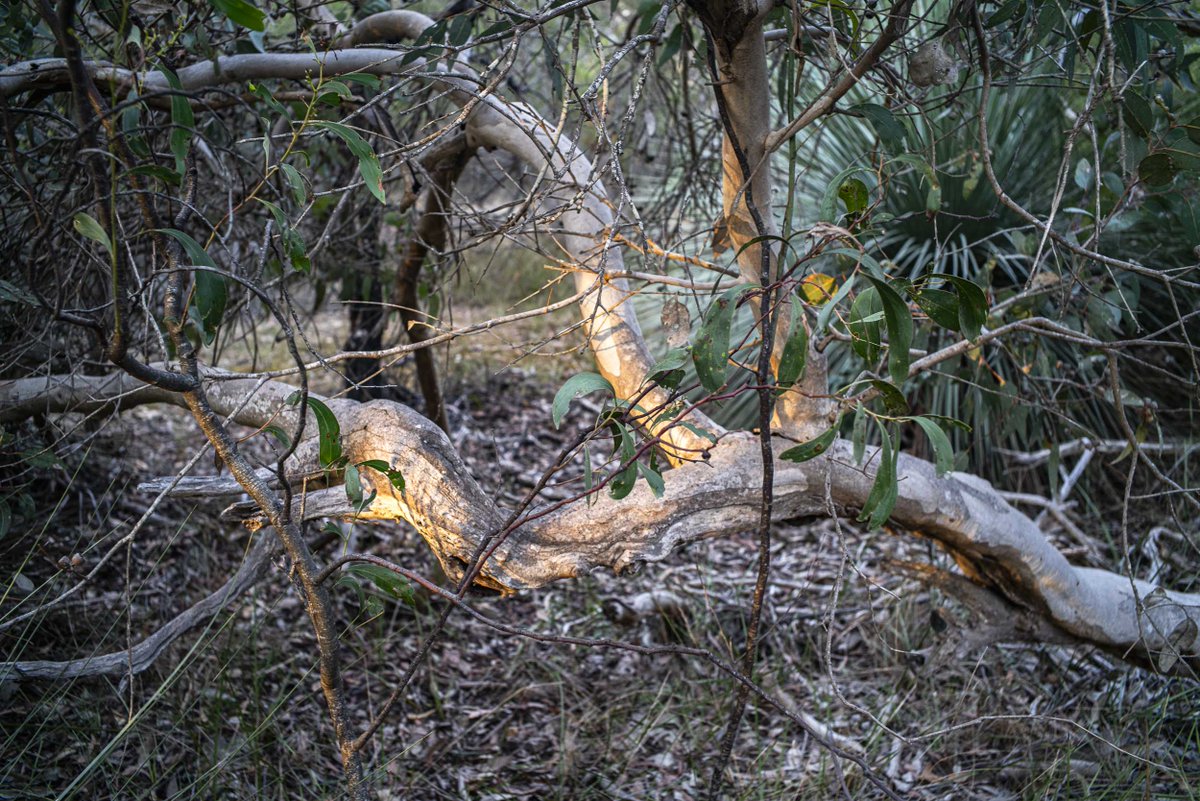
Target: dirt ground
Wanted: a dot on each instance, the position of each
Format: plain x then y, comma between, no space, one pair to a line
234,710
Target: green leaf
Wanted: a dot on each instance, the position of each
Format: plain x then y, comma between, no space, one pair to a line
972,305
242,13
794,357
299,190
940,305
394,476
622,483
668,371
900,329
826,312
710,351
654,479
829,199
329,433
460,29
40,459
811,449
368,162
5,518
282,436
858,436
882,498
854,194
1137,113
354,492
890,132
576,386
943,452
182,121
864,327
893,399
1005,13
698,431
88,226
212,292
265,95
1157,169
363,78
389,583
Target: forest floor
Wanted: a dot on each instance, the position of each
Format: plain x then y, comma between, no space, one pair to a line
234,710
885,665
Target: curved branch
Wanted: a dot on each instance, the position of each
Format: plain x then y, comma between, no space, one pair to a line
142,655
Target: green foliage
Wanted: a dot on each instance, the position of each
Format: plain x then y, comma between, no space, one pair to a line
576,386
710,347
329,433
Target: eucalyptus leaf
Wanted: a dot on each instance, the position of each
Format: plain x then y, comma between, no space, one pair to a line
329,433
368,162
811,449
710,350
899,327
794,357
576,386
88,226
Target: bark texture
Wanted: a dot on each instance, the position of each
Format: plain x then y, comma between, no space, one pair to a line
448,508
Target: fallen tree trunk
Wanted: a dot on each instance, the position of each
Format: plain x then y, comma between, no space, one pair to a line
1002,548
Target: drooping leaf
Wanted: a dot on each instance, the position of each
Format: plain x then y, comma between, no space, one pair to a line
704,433
710,351
858,435
622,484
299,190
576,386
329,433
88,226
899,327
653,478
11,293
943,451
183,121
368,162
794,357
811,449
826,312
282,436
212,292
864,322
353,484
972,304
882,498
